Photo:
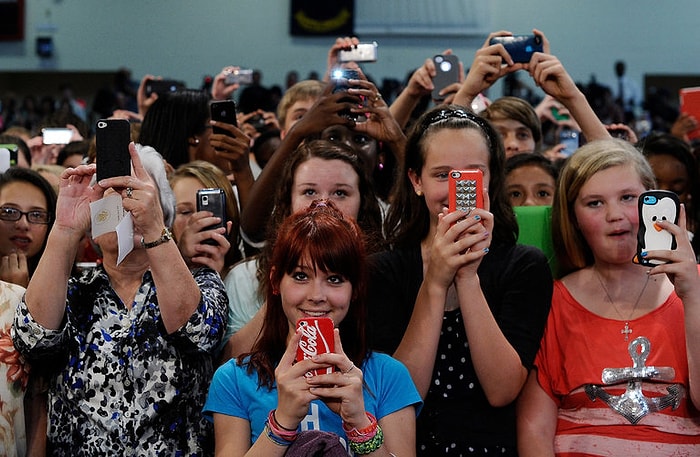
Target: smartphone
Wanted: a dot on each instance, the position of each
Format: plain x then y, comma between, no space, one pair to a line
340,77
316,338
242,76
466,190
570,138
362,52
223,111
13,151
163,86
56,135
213,200
656,205
112,138
447,72
520,47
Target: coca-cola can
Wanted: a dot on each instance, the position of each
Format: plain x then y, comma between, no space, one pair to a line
316,338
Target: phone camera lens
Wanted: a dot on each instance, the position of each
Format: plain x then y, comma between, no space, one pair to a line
456,174
445,66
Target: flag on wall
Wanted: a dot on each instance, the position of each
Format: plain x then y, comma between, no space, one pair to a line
322,17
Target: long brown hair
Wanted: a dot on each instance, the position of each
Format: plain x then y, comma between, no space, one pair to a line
331,242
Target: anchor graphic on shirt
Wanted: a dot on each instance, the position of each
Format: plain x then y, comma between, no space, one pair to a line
633,405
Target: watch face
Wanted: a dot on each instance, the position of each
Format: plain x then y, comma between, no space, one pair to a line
165,236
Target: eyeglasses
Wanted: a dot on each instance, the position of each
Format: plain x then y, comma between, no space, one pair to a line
10,214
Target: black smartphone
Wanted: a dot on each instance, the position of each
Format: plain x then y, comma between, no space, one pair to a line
447,72
223,111
112,138
340,79
520,47
163,86
213,200
656,205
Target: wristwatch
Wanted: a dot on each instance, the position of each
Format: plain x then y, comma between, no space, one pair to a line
165,236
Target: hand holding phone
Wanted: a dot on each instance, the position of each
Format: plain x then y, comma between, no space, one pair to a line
447,72
213,200
656,205
223,111
316,338
112,138
519,47
466,190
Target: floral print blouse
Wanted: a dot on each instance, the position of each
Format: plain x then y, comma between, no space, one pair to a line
125,386
14,375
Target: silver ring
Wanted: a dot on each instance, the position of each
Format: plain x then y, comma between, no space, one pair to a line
129,192
352,367
377,97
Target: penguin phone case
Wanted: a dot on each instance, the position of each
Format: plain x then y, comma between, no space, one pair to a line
466,190
654,206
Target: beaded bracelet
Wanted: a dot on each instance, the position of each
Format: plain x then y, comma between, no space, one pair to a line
281,432
369,446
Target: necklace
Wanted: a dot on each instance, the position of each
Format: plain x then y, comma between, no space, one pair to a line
627,330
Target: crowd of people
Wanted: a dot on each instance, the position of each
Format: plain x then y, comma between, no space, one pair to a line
135,322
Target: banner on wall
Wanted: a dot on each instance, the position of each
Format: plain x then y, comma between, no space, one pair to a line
322,18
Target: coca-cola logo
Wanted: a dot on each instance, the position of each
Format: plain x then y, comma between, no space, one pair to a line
313,341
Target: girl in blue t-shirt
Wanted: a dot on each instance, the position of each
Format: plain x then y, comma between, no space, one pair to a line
263,401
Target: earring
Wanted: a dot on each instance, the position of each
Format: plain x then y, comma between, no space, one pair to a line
275,292
196,140
419,193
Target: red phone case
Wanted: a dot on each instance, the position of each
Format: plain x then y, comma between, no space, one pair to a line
316,338
466,189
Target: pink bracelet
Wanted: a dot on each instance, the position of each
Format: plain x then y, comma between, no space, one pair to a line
282,432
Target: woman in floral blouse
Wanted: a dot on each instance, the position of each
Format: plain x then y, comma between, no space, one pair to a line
134,338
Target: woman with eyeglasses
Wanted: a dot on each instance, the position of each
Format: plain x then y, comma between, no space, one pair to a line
27,210
456,300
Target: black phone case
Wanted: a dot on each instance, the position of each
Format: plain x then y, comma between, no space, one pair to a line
655,205
112,138
447,72
162,86
223,111
520,47
213,200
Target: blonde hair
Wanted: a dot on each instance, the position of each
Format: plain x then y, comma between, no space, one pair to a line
573,251
303,90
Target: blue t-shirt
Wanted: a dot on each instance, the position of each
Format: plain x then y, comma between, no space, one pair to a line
234,392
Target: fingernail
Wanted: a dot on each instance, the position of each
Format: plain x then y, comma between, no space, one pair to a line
477,218
486,234
486,250
644,253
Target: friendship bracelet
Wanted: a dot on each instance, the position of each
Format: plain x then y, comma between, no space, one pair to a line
277,424
281,432
274,438
370,446
367,432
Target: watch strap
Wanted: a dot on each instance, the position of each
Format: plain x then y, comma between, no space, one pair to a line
165,236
